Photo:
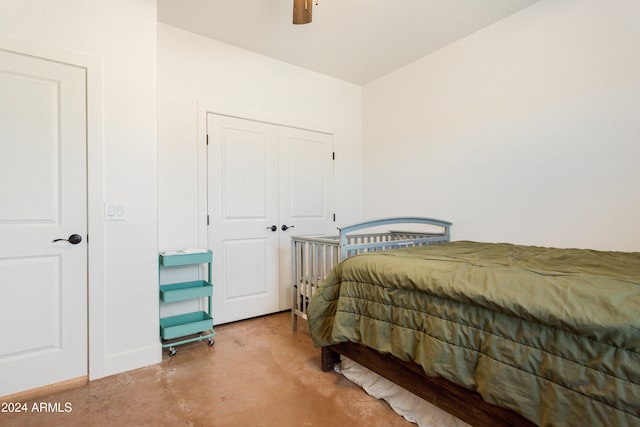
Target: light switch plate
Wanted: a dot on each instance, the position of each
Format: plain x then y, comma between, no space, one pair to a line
114,211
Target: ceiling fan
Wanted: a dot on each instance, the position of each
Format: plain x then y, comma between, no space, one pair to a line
302,11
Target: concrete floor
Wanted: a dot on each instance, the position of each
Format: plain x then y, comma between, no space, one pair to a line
258,373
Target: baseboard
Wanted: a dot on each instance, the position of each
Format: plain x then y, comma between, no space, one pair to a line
135,359
114,364
46,390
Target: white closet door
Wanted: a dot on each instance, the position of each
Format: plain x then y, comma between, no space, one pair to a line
243,206
266,184
43,284
306,194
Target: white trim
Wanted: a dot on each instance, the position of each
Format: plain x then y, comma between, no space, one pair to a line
95,189
95,198
257,116
130,360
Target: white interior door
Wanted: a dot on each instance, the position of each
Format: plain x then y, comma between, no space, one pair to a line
306,194
266,184
43,284
243,206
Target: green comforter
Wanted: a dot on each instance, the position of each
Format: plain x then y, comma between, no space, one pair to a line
552,333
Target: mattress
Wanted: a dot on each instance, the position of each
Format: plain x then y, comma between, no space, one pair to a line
553,334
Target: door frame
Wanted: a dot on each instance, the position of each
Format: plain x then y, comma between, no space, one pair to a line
95,189
203,109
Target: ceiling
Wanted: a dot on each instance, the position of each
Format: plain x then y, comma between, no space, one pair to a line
353,40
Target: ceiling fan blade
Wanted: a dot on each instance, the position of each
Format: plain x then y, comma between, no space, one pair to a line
302,11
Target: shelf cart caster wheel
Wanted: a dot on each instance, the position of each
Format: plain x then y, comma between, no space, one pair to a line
172,351
211,342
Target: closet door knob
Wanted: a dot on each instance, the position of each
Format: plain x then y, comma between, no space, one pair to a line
272,228
74,239
286,227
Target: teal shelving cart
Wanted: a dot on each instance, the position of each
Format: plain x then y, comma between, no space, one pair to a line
187,327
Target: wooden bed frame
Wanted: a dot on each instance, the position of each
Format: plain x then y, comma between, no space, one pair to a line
465,404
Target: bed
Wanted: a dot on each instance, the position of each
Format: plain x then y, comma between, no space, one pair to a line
498,334
313,257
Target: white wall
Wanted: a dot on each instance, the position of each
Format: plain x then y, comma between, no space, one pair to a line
120,35
526,131
194,70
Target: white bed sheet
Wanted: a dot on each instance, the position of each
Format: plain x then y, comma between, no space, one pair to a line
405,403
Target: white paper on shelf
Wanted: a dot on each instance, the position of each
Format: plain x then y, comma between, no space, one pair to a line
194,251
187,251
